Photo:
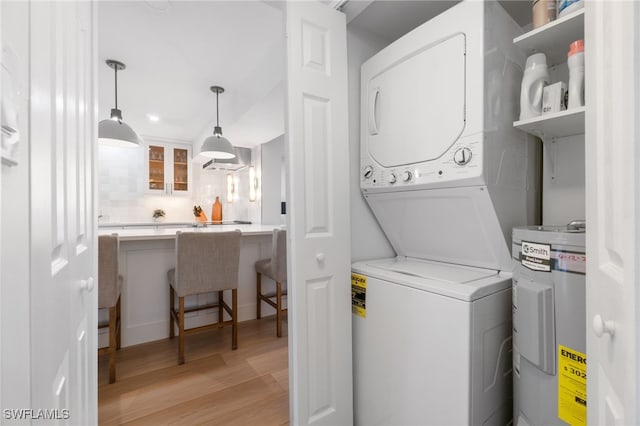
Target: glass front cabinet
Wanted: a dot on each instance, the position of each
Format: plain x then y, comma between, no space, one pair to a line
169,171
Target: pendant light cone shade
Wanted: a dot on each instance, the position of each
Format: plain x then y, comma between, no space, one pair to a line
216,145
114,131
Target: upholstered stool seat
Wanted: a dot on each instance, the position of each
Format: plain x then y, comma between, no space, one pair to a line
275,268
205,262
109,289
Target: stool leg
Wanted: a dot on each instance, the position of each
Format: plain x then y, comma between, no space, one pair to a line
279,308
234,314
112,344
220,308
118,324
258,294
181,330
172,302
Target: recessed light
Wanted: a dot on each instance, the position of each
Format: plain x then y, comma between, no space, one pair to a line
153,118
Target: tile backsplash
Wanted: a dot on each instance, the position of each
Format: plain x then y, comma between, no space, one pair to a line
123,196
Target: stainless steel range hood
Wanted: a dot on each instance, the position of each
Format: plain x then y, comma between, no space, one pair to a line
241,160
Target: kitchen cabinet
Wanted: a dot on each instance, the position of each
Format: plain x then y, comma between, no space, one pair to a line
168,168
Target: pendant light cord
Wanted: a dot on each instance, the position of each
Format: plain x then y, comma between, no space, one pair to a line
116,85
217,111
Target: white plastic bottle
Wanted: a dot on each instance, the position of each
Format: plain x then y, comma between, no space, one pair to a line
576,74
536,76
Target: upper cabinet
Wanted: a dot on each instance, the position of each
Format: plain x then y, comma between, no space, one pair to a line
553,40
168,168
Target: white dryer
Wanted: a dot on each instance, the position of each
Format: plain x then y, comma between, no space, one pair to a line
447,177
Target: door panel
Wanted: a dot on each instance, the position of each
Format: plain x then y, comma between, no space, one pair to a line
612,195
318,238
63,257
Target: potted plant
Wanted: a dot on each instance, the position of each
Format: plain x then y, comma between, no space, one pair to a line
158,215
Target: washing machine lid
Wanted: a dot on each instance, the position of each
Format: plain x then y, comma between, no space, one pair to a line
430,270
460,282
451,225
416,105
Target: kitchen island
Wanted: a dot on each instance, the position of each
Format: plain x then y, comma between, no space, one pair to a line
147,252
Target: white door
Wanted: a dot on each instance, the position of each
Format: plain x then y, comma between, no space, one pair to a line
63,250
319,251
0,209
612,51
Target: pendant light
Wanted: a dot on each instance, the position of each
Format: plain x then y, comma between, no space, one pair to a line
217,146
114,131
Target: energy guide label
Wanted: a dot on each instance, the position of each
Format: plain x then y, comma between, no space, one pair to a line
359,295
572,386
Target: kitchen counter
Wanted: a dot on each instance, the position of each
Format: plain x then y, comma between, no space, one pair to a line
147,252
135,232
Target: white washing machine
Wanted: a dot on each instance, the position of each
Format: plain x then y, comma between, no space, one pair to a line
433,346
447,177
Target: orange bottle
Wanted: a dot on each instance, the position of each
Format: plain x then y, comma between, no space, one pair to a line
216,211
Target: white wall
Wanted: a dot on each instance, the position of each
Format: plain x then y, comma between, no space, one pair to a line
563,178
122,185
273,181
367,239
15,377
121,189
208,184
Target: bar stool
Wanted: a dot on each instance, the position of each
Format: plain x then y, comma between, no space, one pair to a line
109,288
205,262
276,269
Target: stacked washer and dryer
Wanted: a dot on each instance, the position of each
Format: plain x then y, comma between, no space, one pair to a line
447,177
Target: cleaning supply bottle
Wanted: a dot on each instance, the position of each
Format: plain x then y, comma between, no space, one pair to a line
536,76
567,6
576,74
543,12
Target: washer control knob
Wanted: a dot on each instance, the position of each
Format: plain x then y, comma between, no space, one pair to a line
407,176
392,178
462,156
368,172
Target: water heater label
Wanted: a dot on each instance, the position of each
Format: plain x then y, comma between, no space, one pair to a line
536,256
572,386
359,295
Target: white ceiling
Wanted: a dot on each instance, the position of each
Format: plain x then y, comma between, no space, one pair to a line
391,19
175,50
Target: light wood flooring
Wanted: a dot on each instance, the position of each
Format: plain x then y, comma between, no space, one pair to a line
215,386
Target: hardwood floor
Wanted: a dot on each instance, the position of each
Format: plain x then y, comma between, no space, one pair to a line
216,386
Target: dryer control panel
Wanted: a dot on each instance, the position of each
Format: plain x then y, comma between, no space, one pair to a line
461,162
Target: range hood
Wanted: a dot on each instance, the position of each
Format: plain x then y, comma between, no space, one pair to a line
241,160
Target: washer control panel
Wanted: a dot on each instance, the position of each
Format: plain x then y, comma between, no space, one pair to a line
463,160
462,156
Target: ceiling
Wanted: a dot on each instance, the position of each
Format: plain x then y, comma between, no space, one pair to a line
391,19
175,50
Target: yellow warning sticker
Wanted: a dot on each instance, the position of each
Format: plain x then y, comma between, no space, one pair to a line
359,295
572,386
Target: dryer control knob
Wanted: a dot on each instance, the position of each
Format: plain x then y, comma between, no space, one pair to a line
368,172
462,156
407,176
392,178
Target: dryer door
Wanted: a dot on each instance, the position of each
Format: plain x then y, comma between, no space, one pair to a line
416,106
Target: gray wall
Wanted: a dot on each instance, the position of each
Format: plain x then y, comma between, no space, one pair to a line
273,181
367,239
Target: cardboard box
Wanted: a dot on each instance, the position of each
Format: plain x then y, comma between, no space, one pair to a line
554,98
